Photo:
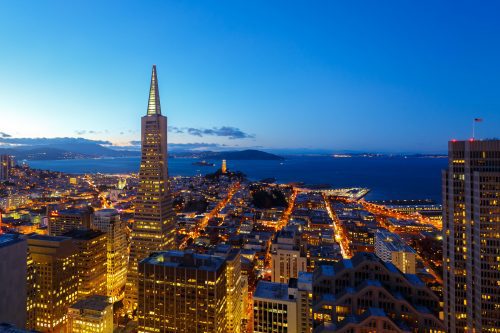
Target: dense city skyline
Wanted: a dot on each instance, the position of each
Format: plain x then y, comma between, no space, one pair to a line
345,77
155,241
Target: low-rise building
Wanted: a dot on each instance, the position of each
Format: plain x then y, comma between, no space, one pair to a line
93,314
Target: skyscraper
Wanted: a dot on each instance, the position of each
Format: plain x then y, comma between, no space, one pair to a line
154,220
90,261
66,220
56,280
108,221
182,291
471,229
5,165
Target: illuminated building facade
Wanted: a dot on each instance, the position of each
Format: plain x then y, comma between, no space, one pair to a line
471,236
91,315
181,291
366,294
13,277
56,280
287,257
109,222
283,307
391,248
234,307
91,261
154,220
63,221
6,163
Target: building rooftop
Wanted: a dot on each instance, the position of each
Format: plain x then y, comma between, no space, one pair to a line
83,234
185,259
392,241
8,239
272,291
48,238
95,302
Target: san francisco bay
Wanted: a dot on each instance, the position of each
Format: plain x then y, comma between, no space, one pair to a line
386,177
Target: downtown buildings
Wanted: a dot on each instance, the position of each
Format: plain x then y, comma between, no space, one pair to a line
471,236
109,222
56,280
93,314
154,220
6,164
391,248
366,294
182,291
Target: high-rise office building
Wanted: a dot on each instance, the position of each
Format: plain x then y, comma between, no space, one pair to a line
180,291
91,315
224,166
66,220
391,248
6,163
154,220
109,222
471,236
13,278
56,280
366,294
284,307
91,261
288,258
234,307
275,307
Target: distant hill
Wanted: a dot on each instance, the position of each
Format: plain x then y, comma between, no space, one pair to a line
248,154
65,152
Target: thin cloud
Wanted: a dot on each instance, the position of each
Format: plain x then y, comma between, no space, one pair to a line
223,131
83,132
50,141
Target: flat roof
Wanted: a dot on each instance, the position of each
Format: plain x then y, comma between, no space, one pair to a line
185,259
8,239
272,291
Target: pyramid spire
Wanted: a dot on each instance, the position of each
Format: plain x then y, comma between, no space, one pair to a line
154,95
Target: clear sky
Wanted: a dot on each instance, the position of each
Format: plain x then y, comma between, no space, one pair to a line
387,76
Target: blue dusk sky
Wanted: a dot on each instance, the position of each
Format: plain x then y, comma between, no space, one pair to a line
389,76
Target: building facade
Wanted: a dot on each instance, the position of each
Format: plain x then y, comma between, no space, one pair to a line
234,283
275,308
154,220
91,261
180,291
288,258
91,315
391,248
56,280
109,222
366,294
471,236
60,222
13,280
6,163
